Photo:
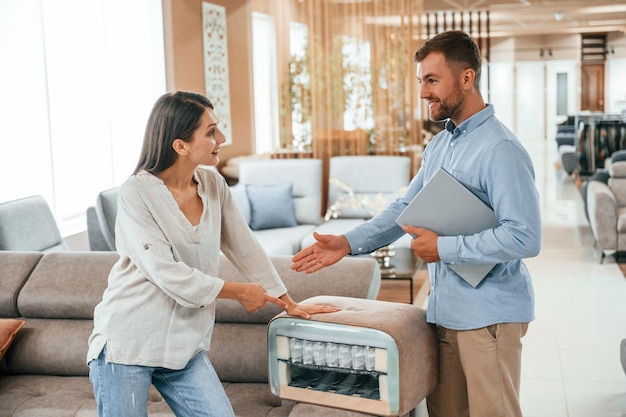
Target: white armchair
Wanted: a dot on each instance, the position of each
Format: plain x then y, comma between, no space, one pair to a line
359,187
259,192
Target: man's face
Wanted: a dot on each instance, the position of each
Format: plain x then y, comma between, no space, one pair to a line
440,87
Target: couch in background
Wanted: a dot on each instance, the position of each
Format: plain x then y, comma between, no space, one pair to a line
43,372
358,188
606,210
281,199
27,224
565,143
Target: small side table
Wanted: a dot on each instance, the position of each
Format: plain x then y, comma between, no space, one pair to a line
402,267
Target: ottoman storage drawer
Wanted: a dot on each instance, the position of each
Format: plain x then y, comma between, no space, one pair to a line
372,356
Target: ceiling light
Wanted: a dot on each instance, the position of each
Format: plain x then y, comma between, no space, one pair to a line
558,16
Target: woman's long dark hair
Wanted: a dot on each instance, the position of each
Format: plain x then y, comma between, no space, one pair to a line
174,116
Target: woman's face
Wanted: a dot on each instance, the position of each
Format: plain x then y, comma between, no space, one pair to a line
206,140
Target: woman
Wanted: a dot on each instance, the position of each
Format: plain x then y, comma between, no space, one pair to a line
154,323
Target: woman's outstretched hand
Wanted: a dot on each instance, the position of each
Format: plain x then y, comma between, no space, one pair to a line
251,296
305,310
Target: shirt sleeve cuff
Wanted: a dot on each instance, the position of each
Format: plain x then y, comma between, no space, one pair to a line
446,246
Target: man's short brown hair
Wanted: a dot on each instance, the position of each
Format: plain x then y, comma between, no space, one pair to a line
458,48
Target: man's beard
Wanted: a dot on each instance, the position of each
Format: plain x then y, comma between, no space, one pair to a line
448,107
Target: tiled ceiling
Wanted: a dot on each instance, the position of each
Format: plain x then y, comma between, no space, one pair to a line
536,17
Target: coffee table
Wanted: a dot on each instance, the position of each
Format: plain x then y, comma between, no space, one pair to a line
402,267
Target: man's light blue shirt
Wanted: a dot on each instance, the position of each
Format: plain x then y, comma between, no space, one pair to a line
487,158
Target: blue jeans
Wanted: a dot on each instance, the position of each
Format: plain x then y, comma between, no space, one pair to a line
122,390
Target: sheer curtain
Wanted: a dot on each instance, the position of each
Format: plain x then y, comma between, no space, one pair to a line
77,81
363,94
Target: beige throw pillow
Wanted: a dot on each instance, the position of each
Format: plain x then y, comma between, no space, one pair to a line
8,330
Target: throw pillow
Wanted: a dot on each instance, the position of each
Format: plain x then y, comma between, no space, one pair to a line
8,330
271,206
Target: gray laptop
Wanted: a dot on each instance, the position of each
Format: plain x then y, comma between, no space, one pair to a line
448,208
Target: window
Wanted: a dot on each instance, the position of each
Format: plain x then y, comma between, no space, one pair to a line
265,83
78,79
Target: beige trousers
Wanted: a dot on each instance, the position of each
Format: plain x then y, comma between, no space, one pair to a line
479,372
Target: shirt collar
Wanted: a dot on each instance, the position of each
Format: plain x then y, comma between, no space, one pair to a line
472,122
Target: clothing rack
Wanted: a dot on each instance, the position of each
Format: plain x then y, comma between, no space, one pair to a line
598,136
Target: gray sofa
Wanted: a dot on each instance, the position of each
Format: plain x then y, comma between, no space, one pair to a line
44,373
289,199
606,207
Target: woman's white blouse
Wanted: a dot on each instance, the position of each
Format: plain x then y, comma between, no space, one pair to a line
159,306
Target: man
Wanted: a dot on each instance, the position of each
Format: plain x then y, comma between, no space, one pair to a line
479,329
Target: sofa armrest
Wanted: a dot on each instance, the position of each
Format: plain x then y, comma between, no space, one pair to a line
384,360
602,210
350,277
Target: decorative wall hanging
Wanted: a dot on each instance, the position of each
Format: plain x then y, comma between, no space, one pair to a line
216,64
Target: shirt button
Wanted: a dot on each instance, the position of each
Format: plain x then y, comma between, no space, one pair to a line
360,249
451,143
464,132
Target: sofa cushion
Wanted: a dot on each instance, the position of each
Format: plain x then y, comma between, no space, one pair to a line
254,400
283,240
361,186
304,174
50,347
621,220
363,274
271,206
66,285
16,267
617,181
58,396
8,330
245,363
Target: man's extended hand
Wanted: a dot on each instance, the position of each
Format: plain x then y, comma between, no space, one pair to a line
424,244
327,250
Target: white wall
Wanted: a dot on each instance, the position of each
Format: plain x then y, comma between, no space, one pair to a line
502,86
523,83
571,68
615,78
529,98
